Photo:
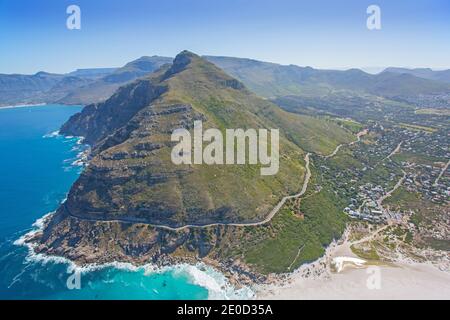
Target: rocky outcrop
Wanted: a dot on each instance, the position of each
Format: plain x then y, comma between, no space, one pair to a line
123,202
97,121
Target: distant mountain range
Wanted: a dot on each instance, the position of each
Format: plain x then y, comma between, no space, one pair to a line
269,80
82,86
426,73
102,88
274,80
133,204
93,73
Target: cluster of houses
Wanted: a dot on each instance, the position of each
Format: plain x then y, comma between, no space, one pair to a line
429,100
424,180
369,209
396,149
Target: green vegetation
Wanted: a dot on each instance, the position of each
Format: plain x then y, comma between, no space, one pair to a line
270,80
131,176
276,251
439,112
296,234
145,114
402,198
417,127
418,158
366,253
349,124
424,215
438,244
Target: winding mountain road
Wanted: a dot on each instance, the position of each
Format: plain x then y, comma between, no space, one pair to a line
358,139
188,226
269,217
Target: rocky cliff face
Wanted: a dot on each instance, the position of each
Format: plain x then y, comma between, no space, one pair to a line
97,121
125,202
131,176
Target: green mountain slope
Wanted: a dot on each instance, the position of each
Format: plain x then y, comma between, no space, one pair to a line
271,80
426,73
103,87
132,177
120,207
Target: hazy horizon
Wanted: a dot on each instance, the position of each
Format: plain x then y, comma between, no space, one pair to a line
367,69
321,34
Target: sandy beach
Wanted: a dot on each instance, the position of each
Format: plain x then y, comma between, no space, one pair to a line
417,281
340,274
23,106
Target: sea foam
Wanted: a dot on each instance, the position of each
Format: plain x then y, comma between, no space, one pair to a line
51,134
83,150
199,274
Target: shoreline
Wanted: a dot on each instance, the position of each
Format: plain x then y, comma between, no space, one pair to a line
36,105
338,274
209,275
215,281
400,281
316,280
23,106
341,275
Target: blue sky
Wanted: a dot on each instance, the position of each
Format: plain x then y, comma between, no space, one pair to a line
319,33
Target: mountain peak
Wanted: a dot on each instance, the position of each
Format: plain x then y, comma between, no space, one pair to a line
42,74
187,53
182,60
185,57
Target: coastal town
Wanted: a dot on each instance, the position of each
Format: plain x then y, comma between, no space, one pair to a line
396,178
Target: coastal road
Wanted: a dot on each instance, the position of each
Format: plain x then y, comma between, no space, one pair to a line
269,217
188,226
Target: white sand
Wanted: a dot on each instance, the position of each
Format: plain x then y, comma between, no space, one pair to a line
341,262
23,106
404,280
415,281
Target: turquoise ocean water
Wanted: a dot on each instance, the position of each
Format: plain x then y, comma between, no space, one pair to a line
37,168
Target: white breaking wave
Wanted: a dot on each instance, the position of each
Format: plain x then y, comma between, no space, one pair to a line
200,274
81,159
51,134
217,284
